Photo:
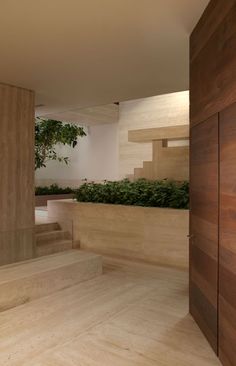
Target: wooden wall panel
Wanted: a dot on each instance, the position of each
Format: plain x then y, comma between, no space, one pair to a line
204,227
227,258
211,19
17,173
213,61
213,91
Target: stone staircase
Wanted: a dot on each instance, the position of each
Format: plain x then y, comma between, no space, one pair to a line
51,239
168,161
56,266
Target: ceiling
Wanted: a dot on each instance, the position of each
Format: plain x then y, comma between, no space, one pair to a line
89,116
82,53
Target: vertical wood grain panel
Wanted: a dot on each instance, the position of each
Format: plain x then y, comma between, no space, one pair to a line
213,90
213,61
204,227
17,173
213,15
227,258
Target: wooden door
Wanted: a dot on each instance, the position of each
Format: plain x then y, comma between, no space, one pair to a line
204,227
227,250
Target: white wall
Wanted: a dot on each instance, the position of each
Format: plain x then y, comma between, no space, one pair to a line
95,158
158,111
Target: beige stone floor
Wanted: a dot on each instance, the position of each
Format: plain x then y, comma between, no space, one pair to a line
132,315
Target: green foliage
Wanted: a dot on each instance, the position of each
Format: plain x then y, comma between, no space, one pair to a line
49,133
53,189
142,192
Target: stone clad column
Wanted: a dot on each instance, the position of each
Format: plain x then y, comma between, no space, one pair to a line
16,174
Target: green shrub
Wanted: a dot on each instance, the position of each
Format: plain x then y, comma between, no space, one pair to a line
53,189
142,192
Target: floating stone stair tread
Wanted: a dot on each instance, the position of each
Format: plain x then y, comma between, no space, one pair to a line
25,281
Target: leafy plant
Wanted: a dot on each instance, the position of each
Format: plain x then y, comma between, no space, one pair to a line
50,133
142,192
53,189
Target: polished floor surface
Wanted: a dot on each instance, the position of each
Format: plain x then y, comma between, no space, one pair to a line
132,315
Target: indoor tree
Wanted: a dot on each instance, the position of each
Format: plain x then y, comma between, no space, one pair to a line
48,134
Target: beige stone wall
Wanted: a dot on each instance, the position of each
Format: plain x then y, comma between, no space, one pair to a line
136,233
163,110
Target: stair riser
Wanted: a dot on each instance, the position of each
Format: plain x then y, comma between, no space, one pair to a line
52,236
48,249
46,227
26,289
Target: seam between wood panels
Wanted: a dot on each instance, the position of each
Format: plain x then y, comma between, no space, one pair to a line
190,215
218,254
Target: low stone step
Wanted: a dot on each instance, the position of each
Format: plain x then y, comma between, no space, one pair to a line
41,228
25,281
49,236
53,247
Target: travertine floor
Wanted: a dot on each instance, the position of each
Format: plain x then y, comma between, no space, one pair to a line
133,315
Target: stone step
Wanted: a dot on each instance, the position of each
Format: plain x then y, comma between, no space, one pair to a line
25,281
53,247
50,236
51,226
